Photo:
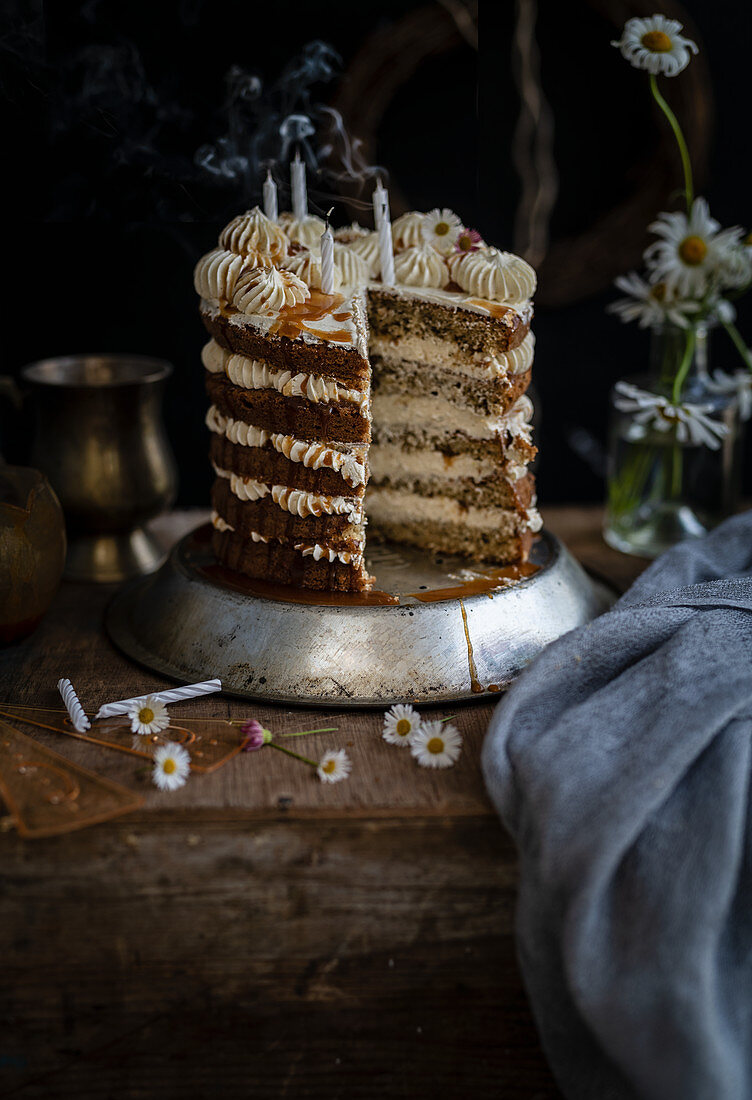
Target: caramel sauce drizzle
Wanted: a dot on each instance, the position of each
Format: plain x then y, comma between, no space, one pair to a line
302,317
487,584
475,685
496,309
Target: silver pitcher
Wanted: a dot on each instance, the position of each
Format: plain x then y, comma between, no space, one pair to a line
98,436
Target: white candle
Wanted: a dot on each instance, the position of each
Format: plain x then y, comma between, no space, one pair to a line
327,261
270,197
72,704
386,247
174,695
298,185
380,200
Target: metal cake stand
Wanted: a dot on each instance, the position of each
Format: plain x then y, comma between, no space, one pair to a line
192,620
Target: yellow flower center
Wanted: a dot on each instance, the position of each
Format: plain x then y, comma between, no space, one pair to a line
329,766
435,745
169,766
748,240
441,229
692,251
658,292
657,42
403,727
146,716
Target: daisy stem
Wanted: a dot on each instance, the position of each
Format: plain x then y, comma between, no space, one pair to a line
302,733
295,755
683,151
738,342
684,366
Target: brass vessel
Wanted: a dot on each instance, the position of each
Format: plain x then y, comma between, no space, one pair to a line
98,436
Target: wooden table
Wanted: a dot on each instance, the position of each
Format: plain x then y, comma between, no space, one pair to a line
257,933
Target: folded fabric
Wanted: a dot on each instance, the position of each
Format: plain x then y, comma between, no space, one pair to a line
620,763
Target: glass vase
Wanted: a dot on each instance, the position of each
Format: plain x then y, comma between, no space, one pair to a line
674,449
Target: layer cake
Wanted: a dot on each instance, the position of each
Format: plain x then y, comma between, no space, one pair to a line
402,405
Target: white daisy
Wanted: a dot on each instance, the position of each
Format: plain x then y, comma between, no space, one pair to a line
649,304
441,229
172,764
694,253
436,745
691,423
148,715
655,44
334,766
739,384
400,723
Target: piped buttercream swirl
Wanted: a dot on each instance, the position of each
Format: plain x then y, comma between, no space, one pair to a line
352,267
216,274
420,265
367,248
407,230
305,230
254,235
306,264
494,275
268,290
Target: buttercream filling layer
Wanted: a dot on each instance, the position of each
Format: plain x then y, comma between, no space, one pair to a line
445,354
390,504
252,374
315,550
314,456
392,461
295,501
439,417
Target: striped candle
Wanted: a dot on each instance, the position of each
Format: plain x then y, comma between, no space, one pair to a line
174,695
73,705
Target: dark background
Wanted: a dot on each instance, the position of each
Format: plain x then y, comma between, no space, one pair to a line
106,103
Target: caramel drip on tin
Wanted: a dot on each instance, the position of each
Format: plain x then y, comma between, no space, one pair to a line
487,584
475,685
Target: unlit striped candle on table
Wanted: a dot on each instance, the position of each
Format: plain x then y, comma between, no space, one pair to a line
174,695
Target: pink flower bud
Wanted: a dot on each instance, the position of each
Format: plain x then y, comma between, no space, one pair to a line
254,736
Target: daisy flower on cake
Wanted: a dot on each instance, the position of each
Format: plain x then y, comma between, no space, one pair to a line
436,745
148,715
441,229
656,44
172,765
400,723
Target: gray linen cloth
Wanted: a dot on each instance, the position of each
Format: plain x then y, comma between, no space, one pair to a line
620,763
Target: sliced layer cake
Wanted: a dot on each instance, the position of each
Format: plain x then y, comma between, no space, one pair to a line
289,380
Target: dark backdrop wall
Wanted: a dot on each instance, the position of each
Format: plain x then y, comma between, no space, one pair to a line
127,123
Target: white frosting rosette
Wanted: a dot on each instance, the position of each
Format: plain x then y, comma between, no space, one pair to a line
420,265
367,248
306,231
494,275
407,230
216,274
354,269
306,264
253,234
268,290
214,357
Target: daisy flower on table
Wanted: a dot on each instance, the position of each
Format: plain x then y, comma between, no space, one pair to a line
148,715
400,723
691,423
694,253
655,44
649,304
436,745
172,765
440,229
334,766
